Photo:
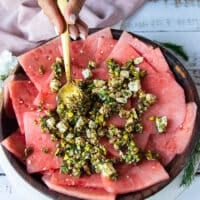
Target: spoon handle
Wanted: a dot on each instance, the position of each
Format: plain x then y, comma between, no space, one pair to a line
65,40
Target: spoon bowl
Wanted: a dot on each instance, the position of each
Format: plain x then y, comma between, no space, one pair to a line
68,90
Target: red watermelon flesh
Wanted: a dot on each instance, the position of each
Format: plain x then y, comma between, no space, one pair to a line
168,145
46,97
15,143
93,181
89,48
44,56
46,100
78,191
104,47
6,95
136,177
169,94
38,160
164,145
22,94
116,121
153,56
123,51
137,44
109,147
184,132
142,139
157,60
75,47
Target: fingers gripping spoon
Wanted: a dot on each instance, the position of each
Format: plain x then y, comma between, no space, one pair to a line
68,90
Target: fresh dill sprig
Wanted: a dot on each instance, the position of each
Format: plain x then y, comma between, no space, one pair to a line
178,49
190,169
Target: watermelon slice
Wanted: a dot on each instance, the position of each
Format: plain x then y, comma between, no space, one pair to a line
43,56
78,191
37,140
6,94
123,51
164,145
170,144
88,50
93,181
133,178
46,98
157,60
185,131
75,47
169,94
153,56
137,44
15,143
22,94
104,48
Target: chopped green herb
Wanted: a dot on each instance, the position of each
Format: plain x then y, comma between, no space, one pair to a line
161,124
3,77
79,126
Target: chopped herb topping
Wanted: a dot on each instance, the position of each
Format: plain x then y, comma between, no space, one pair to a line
58,68
79,126
161,124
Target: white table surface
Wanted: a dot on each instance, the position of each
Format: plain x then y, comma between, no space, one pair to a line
164,21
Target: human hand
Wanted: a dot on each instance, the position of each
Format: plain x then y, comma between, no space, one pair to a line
77,27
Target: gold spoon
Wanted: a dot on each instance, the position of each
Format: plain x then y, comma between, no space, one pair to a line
68,90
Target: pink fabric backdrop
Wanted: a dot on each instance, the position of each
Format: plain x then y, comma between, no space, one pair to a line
23,25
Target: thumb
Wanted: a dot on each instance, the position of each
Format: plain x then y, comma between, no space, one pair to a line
72,10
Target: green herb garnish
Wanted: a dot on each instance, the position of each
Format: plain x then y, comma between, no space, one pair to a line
190,168
3,77
178,49
79,126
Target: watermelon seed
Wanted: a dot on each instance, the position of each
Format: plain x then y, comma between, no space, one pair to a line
48,58
81,51
21,101
27,152
28,162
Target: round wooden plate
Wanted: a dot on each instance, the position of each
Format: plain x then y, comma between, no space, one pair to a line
33,183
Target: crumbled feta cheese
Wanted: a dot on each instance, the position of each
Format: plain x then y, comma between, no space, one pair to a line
99,83
55,85
138,60
92,124
87,73
51,122
121,100
61,127
134,86
124,74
